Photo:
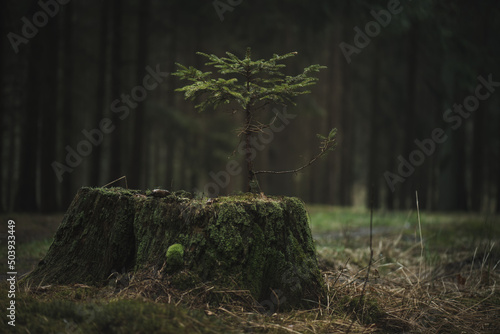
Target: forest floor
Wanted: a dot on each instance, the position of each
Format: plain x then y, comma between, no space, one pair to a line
439,275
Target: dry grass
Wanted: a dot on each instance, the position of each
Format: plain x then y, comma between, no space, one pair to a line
411,288
449,293
443,298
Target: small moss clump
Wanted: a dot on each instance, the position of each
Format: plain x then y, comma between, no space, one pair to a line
175,257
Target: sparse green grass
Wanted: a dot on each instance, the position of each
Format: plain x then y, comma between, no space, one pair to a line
452,289
327,218
341,228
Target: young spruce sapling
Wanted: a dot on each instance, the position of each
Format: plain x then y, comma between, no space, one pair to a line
252,86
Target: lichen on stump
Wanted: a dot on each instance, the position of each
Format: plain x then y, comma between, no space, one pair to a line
250,242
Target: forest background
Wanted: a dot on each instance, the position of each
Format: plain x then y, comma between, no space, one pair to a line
92,78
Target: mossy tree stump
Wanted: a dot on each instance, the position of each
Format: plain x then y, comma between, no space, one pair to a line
250,242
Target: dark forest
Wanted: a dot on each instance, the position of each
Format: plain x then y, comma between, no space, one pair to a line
413,88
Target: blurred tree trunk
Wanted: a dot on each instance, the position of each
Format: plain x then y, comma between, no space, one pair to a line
346,151
170,156
15,109
13,103
453,195
26,198
479,174
48,109
3,110
407,188
498,168
478,171
452,190
100,106
2,166
67,98
334,118
459,191
166,130
12,159
115,161
374,154
138,157
346,147
498,190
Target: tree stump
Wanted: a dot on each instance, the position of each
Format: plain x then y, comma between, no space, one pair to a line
251,242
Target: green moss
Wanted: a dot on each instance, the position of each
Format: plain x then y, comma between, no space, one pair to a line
175,257
254,273
65,316
225,232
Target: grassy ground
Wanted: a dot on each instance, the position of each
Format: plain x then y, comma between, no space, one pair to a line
436,276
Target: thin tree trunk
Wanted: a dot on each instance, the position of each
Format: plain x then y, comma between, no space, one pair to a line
96,164
374,154
137,161
479,143
497,175
252,182
407,191
26,199
334,119
347,145
460,175
115,162
170,155
48,109
67,109
452,190
477,160
3,110
170,140
252,186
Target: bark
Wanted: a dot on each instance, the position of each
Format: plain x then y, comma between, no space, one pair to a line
244,242
252,182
